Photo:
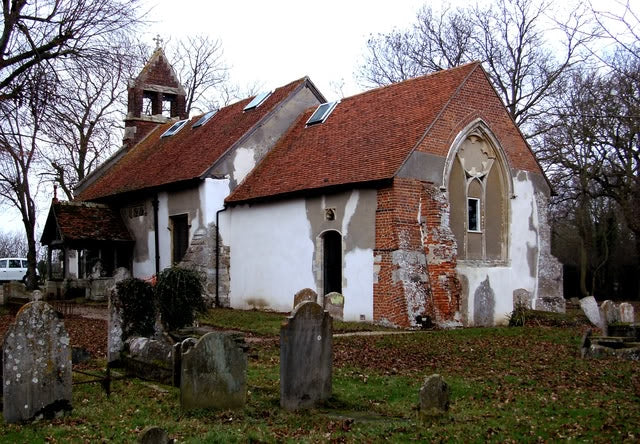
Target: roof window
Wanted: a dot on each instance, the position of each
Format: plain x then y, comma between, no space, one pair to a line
175,128
204,119
257,100
321,113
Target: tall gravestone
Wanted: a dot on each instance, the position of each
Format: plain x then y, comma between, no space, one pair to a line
115,342
37,365
306,354
214,373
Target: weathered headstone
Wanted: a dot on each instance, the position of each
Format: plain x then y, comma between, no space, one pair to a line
37,365
115,344
214,373
334,304
304,295
522,297
306,354
154,435
609,311
433,398
591,310
627,313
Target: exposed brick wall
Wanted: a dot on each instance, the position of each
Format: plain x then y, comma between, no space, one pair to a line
441,251
415,255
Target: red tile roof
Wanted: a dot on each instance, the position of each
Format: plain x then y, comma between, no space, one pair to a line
188,154
79,221
366,138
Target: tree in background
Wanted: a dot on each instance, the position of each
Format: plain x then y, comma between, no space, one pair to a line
90,102
39,41
506,36
20,132
13,244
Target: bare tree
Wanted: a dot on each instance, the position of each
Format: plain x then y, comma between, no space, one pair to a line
20,130
35,33
199,63
13,244
507,37
83,126
40,40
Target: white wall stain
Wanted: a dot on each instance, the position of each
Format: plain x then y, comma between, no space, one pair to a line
243,162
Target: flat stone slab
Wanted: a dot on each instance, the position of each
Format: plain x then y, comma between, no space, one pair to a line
37,365
591,310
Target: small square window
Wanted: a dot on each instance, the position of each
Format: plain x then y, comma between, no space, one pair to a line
473,214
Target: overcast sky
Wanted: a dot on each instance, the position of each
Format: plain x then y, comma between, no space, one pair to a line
276,41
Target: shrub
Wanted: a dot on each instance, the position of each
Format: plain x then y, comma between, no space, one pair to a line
518,316
179,292
138,307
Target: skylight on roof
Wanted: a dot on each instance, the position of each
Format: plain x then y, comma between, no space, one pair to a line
204,119
257,100
321,113
175,128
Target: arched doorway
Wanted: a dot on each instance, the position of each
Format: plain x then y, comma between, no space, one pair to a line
332,262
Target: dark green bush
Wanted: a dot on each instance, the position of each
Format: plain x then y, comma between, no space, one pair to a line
138,307
518,316
179,293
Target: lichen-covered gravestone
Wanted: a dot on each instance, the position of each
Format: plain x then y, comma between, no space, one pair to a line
609,312
434,397
304,295
214,373
334,304
306,354
627,313
37,365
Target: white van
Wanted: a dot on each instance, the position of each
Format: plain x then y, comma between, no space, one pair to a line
13,269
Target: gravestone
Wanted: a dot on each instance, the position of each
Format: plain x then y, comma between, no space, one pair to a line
37,365
304,295
334,304
591,310
433,397
115,344
306,354
154,435
609,311
522,297
214,373
627,313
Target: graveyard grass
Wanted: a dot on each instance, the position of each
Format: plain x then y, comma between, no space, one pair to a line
521,384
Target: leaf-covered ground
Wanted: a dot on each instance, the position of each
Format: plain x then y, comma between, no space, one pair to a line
524,384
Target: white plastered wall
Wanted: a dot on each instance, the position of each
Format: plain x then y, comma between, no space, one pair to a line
271,255
274,255
210,197
523,238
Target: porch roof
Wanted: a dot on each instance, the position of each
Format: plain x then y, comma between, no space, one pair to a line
70,222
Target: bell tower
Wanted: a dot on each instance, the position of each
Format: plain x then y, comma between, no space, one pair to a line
155,97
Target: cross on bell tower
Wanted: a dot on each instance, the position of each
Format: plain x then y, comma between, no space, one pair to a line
159,41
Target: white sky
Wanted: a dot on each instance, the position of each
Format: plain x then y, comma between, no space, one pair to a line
274,42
